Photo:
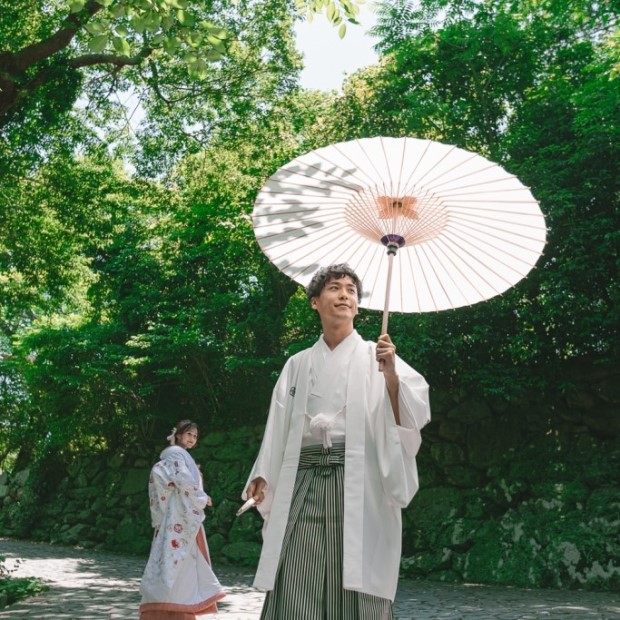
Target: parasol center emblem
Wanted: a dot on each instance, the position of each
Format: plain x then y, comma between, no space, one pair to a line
394,206
412,219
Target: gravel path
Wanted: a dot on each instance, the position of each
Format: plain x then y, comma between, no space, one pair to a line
93,585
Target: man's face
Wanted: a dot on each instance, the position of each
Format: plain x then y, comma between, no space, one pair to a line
337,300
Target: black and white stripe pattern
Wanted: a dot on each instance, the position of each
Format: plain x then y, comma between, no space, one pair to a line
309,581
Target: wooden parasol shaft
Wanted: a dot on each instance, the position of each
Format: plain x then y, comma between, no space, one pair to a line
392,243
388,288
386,306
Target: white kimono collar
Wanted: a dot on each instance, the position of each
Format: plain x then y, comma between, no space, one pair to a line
348,343
182,453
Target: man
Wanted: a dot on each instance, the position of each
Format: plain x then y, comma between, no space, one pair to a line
336,466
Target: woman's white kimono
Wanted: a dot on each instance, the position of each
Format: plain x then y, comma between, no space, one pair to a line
177,576
381,475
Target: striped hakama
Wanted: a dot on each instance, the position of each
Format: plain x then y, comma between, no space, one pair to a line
309,580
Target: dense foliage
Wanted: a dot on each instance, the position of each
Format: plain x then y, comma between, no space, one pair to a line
130,296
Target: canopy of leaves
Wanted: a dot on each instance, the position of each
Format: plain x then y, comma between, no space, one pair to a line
188,66
130,299
173,310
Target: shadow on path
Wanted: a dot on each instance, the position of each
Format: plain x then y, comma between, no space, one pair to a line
93,585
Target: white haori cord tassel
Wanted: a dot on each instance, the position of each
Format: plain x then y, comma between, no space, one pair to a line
320,426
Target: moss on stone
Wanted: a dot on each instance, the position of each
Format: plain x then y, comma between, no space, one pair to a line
244,553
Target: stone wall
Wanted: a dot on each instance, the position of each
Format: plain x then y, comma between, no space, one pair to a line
520,493
525,494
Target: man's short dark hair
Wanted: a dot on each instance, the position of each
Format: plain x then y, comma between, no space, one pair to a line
333,272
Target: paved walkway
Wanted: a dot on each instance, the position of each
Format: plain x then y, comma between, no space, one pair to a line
88,585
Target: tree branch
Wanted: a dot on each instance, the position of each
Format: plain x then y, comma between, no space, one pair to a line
14,65
88,60
22,60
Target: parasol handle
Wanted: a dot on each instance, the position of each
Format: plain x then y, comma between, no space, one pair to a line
392,242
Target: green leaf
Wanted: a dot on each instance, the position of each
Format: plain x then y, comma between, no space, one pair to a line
351,10
185,19
171,44
215,31
200,69
221,48
216,43
213,55
342,31
98,43
77,5
121,45
119,11
194,39
138,24
331,11
152,22
95,28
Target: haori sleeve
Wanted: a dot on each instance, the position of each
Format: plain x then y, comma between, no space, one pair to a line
414,407
398,445
269,460
159,493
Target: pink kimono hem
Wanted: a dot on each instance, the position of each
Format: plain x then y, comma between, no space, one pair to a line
206,607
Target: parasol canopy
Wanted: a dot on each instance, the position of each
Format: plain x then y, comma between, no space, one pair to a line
458,229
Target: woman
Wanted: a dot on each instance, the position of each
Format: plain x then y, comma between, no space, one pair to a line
178,582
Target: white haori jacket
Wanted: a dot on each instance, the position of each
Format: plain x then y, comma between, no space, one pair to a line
381,476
